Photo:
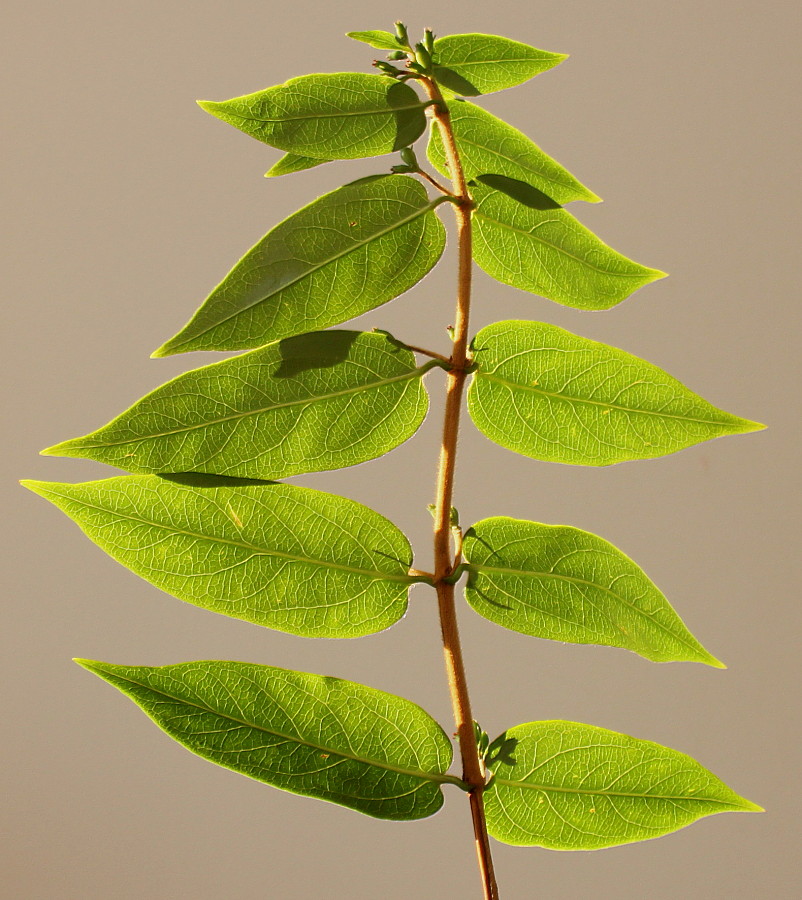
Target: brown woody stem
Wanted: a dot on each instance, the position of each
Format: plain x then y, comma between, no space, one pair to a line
472,767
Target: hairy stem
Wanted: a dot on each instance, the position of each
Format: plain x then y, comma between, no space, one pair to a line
472,767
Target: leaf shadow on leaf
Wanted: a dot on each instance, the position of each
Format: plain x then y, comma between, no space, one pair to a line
470,533
502,749
455,82
203,479
315,350
519,190
409,123
395,559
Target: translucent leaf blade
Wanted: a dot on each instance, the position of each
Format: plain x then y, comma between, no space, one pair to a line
308,734
381,40
569,786
546,393
565,584
341,115
487,145
281,556
318,401
346,253
291,163
472,64
548,252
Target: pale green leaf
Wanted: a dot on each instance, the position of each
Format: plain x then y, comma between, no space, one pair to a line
558,582
278,555
552,395
305,404
291,163
381,40
313,735
472,64
341,115
568,786
488,145
346,253
548,252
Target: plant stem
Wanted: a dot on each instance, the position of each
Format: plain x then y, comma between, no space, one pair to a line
472,767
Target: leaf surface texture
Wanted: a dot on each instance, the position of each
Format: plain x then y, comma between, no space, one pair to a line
309,734
286,557
546,393
562,583
317,401
568,786
346,253
341,115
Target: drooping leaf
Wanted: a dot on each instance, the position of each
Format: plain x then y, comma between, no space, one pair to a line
558,582
346,253
472,64
488,145
552,395
313,735
548,252
341,115
568,786
282,556
291,163
305,404
381,40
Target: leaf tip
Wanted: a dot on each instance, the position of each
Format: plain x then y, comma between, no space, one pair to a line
92,665
208,106
161,352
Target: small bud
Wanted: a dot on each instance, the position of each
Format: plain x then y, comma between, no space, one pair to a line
450,331
397,54
408,155
385,68
423,57
428,40
401,33
399,170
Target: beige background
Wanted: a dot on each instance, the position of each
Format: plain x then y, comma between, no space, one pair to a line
125,204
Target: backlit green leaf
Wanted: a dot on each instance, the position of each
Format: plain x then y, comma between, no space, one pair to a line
568,786
488,145
282,556
341,115
291,162
552,395
557,582
472,64
548,252
346,253
381,40
305,404
313,735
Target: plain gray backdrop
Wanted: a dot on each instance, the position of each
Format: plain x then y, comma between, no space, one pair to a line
125,204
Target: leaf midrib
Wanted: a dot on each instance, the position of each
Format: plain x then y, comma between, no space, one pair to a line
490,62
414,773
356,245
306,401
568,399
262,551
420,104
592,584
526,785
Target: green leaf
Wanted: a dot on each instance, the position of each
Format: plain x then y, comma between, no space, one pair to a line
561,583
568,786
548,252
281,556
381,40
489,146
313,735
472,64
552,395
346,253
317,401
341,115
291,163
